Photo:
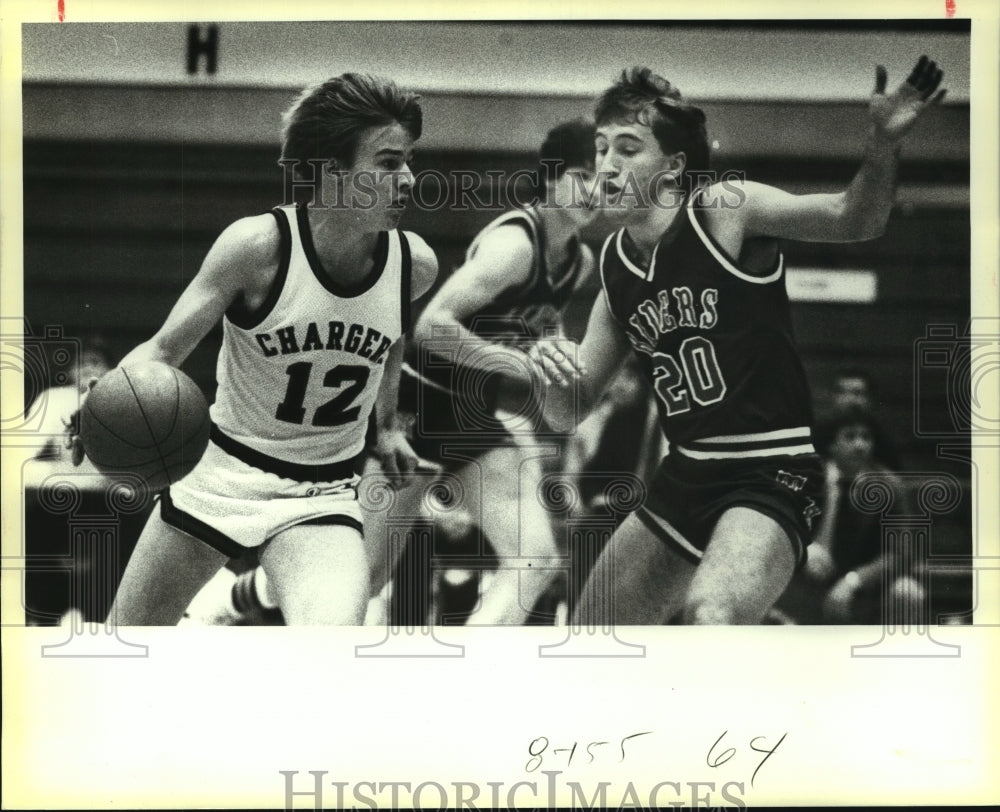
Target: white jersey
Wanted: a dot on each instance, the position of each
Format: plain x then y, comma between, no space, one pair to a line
299,377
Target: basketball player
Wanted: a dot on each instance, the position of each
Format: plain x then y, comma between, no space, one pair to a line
473,414
314,301
694,285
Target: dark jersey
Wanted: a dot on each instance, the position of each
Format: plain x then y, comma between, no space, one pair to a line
520,314
715,342
528,310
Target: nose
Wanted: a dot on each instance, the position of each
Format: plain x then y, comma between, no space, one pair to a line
405,178
606,166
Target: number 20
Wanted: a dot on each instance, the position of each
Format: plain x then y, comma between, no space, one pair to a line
700,377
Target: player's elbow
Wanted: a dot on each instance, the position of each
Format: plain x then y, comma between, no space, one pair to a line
855,223
870,227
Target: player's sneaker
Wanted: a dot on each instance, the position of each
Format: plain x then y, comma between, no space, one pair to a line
213,605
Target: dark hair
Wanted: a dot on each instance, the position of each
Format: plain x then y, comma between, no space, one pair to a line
643,97
569,145
327,120
855,373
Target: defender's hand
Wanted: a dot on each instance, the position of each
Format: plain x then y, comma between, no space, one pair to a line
894,114
398,459
558,359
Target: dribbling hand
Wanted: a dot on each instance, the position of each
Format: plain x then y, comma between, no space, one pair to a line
72,441
895,113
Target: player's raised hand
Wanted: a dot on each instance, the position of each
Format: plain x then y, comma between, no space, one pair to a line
893,114
557,358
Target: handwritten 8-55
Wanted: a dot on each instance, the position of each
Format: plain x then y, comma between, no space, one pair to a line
617,750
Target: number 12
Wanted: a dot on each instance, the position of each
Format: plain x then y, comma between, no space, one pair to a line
335,412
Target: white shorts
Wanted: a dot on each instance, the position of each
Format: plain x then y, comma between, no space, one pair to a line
232,505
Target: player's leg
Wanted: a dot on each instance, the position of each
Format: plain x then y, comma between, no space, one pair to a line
319,574
637,580
380,525
518,526
166,570
231,599
747,565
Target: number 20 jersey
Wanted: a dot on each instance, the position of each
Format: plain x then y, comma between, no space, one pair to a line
299,377
714,341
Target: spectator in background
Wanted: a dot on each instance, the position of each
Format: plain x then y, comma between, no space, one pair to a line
853,388
846,560
53,407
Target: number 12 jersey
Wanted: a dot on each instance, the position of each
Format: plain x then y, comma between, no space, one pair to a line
299,377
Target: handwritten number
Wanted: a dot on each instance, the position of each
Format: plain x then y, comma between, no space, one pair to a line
589,753
769,754
541,744
570,750
723,757
536,755
634,735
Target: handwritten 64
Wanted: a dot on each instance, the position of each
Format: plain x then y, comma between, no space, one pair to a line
719,753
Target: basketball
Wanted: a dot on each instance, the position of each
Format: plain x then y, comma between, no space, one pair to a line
148,419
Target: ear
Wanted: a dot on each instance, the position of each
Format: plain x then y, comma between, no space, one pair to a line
676,164
333,168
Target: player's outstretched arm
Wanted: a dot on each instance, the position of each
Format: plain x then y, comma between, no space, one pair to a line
503,260
862,210
576,375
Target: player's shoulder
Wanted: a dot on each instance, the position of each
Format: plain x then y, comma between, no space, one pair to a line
253,241
423,264
505,248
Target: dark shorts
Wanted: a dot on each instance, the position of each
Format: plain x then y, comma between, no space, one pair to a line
686,497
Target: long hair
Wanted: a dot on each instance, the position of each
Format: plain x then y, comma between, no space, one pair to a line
327,120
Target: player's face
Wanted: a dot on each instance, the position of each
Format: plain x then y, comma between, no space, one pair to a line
377,187
576,193
852,448
633,171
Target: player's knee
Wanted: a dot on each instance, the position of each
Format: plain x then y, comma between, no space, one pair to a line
703,611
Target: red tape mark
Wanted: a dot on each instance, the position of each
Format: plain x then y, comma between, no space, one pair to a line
61,6
949,8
